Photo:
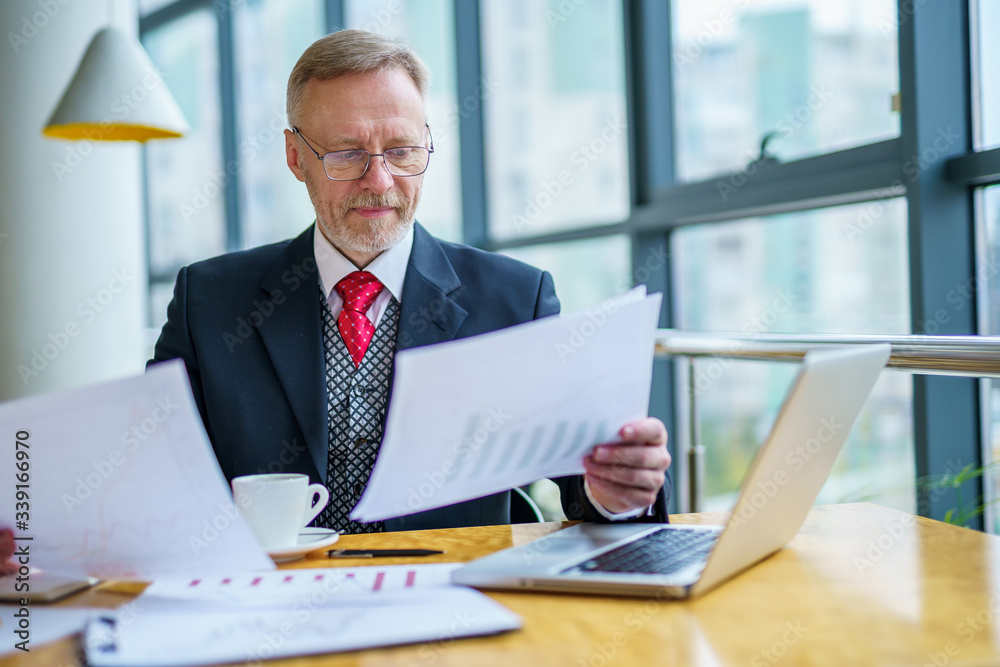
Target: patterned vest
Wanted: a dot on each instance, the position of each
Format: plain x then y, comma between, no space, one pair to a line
356,404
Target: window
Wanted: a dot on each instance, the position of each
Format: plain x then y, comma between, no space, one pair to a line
556,128
988,291
270,37
185,178
192,213
595,132
816,76
584,272
428,26
986,107
835,270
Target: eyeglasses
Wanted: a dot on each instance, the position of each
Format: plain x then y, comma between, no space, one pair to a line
352,164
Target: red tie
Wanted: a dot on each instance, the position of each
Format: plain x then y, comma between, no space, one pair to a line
358,290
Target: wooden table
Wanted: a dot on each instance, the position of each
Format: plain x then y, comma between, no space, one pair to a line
859,585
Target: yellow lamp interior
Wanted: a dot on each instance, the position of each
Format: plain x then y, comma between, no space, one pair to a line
105,131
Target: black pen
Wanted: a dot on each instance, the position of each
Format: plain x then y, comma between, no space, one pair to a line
380,553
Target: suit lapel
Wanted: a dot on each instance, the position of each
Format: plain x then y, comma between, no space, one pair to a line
427,313
294,340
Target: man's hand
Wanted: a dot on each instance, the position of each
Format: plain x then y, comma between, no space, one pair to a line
628,475
6,551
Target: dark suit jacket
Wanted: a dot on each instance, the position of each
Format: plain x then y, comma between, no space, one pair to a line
248,327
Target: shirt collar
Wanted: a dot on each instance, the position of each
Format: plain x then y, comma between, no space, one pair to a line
389,267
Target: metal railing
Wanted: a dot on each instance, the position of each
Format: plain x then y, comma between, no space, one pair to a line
967,356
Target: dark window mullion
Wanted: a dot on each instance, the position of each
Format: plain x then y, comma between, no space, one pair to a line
651,160
648,86
980,168
335,15
471,131
936,124
564,236
230,155
169,13
874,171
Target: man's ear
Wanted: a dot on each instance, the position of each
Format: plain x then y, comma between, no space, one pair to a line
292,155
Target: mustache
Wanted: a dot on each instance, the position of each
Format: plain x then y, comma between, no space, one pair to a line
370,200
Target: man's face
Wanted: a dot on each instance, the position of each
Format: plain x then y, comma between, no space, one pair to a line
371,111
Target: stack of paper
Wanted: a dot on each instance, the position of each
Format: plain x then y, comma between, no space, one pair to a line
294,612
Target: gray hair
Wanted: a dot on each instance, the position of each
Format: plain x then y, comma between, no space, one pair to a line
351,52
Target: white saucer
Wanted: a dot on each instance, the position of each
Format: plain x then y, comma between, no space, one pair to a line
310,539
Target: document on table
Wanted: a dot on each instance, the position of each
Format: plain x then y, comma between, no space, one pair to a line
159,637
251,589
484,414
120,481
184,621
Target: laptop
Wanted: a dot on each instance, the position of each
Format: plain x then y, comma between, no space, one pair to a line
683,561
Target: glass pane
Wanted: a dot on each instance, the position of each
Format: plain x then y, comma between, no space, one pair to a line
989,65
160,294
554,96
989,259
836,270
428,26
988,283
739,401
991,422
185,176
270,37
585,272
817,76
833,270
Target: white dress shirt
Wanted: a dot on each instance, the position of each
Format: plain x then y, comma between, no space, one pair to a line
389,268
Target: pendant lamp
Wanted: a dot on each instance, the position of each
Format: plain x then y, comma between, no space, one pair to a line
116,95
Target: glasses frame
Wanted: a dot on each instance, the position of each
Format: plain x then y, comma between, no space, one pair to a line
368,164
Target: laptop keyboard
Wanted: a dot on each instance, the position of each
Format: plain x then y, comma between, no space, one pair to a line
662,552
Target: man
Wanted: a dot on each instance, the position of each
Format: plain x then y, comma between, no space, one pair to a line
289,347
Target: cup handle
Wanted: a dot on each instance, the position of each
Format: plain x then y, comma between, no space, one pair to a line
316,506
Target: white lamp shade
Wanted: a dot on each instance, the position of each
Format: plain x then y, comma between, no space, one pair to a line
116,95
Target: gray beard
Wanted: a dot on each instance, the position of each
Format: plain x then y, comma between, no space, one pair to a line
378,235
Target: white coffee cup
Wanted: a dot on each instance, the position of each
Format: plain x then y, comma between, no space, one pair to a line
278,506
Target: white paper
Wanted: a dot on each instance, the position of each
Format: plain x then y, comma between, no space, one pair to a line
282,587
481,415
123,483
161,636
